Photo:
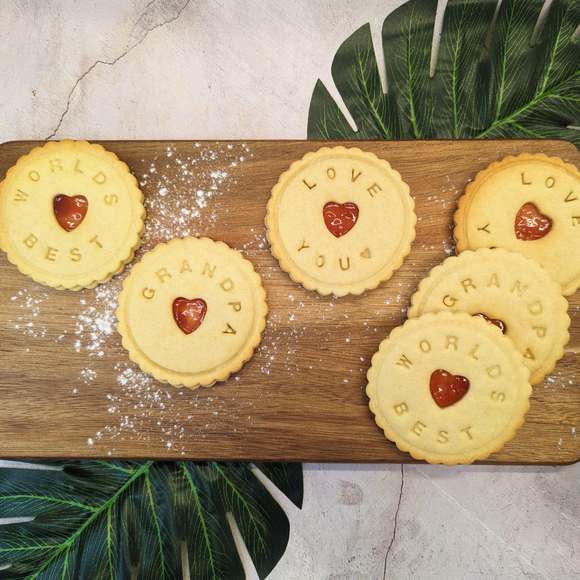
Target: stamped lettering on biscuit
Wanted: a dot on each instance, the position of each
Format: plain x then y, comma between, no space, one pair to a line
404,362
526,204
507,290
192,312
464,394
30,241
467,432
418,428
95,240
497,397
227,285
77,199
100,178
340,221
20,195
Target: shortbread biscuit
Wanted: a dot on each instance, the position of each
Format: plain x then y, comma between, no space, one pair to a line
71,215
448,388
340,221
528,204
505,287
192,312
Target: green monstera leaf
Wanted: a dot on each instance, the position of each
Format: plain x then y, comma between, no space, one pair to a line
147,520
504,73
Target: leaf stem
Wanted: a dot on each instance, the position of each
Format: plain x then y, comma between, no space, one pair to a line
244,503
361,60
510,119
52,500
202,520
156,519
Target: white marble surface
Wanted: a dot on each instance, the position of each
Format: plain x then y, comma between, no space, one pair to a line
233,69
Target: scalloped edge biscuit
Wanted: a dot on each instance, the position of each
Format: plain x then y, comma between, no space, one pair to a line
555,249
359,260
480,280
405,410
39,267
211,270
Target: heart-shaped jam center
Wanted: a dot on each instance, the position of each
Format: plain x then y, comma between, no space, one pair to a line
340,217
189,314
70,211
531,223
499,323
446,388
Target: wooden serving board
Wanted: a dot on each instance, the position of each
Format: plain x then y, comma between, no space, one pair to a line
69,390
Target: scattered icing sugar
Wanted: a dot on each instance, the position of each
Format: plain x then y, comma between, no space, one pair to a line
191,205
29,306
188,205
179,179
94,323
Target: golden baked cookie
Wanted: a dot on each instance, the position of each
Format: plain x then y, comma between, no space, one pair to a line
340,221
448,388
192,312
71,215
509,290
528,204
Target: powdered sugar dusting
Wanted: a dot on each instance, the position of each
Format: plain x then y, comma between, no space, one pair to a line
185,192
186,205
29,308
95,323
189,205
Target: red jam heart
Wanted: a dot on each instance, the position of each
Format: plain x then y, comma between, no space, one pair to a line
189,314
446,388
340,217
531,224
70,211
499,323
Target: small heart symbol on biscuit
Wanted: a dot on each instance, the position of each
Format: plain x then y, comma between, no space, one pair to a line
446,388
531,224
340,217
70,211
189,314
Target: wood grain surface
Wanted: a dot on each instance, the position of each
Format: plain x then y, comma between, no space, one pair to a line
69,390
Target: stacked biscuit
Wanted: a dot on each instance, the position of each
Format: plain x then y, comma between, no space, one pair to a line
488,323
452,384
71,217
